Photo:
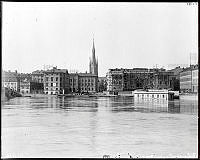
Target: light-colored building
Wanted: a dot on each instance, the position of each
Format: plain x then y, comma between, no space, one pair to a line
11,80
195,73
189,79
56,81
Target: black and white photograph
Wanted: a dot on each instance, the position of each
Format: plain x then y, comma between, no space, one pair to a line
99,80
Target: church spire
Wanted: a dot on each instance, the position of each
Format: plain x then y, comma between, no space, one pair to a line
93,51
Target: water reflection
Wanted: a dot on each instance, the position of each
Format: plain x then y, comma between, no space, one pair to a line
91,127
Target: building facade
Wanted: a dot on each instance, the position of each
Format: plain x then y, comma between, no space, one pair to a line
38,76
102,84
138,78
189,79
11,80
56,81
88,83
27,87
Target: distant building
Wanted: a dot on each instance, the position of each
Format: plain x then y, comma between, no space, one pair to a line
27,87
195,79
88,82
11,80
56,81
93,65
102,84
138,78
189,79
74,82
24,77
38,76
175,80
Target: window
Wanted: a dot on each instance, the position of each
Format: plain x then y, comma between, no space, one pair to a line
56,84
51,92
51,84
56,78
46,84
92,89
157,95
163,96
56,88
46,78
51,78
60,78
152,96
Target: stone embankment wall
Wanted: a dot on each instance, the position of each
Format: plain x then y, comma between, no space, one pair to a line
7,94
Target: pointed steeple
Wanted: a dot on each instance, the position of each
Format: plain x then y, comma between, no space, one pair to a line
93,51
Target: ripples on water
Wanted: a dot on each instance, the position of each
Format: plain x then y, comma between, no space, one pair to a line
92,127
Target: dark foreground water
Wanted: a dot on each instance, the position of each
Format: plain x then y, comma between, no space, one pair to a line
93,127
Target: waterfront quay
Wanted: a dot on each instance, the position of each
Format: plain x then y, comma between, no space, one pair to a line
52,126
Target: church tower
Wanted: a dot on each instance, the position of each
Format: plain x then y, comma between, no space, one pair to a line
93,66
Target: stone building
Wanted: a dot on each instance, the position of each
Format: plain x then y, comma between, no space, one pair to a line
189,79
37,76
195,73
56,81
74,82
88,82
83,82
175,80
11,80
138,78
102,84
27,87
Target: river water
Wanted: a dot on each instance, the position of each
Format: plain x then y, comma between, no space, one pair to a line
97,126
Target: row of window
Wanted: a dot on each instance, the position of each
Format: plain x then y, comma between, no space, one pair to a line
51,89
153,95
56,78
22,87
51,84
87,89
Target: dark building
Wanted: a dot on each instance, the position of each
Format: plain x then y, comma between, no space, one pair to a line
38,76
138,78
102,84
27,87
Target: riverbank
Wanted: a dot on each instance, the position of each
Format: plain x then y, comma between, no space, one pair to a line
7,94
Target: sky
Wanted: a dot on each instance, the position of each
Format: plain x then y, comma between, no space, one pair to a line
126,35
